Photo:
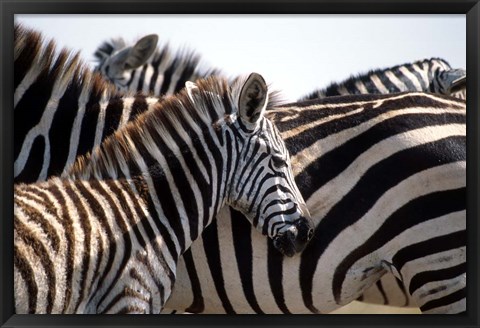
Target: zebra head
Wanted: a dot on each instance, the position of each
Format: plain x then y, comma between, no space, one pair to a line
118,61
260,181
450,81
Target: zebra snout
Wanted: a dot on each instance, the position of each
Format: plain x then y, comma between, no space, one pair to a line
296,238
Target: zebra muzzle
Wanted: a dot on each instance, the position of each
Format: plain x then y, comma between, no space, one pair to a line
295,239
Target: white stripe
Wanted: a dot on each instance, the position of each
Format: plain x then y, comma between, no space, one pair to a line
378,84
395,81
101,119
412,78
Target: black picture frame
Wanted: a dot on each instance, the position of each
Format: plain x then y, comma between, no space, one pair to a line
471,8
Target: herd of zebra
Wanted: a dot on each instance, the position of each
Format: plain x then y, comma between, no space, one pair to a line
151,186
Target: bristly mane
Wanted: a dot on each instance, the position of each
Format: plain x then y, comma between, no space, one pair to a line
353,78
212,101
163,53
63,66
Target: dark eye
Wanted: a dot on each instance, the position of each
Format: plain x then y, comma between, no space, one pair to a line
278,162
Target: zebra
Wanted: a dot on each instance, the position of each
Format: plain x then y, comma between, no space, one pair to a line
106,237
117,110
144,67
384,180
433,75
57,122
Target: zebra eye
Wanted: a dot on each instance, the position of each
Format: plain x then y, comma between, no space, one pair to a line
278,162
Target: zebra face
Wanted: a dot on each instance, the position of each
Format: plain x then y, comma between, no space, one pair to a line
262,186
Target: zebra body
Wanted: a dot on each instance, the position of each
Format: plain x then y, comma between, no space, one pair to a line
144,67
433,75
387,194
22,67
134,205
62,110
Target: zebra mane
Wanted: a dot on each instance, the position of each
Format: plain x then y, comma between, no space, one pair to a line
64,66
211,104
365,77
163,54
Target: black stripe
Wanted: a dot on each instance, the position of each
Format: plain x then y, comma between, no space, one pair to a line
61,129
28,275
404,291
382,291
446,300
167,77
423,278
128,85
141,79
139,106
275,276
416,211
197,305
87,230
430,246
30,109
67,223
89,124
113,114
25,59
242,243
33,165
332,90
212,252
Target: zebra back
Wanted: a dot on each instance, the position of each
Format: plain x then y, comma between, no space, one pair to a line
433,75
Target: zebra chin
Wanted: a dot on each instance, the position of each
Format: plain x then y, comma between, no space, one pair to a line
295,238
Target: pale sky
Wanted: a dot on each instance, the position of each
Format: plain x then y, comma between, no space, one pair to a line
295,53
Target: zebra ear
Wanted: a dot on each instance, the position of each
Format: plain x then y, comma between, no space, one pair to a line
141,51
253,99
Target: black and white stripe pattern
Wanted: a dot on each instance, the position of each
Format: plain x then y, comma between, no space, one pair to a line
433,75
381,291
144,67
106,237
384,179
62,110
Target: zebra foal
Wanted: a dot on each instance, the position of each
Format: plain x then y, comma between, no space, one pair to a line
106,237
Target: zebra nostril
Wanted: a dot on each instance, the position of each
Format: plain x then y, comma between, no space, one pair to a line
310,234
